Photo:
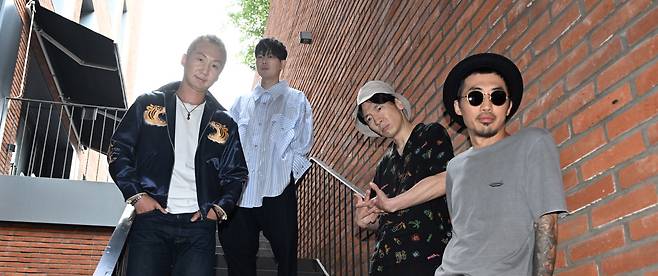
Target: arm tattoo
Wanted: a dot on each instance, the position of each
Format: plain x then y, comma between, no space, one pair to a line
545,244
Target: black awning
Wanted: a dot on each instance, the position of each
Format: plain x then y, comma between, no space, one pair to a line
85,64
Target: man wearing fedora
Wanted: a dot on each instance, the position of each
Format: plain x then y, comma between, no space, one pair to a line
410,238
503,193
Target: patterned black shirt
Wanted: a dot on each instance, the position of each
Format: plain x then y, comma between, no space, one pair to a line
420,233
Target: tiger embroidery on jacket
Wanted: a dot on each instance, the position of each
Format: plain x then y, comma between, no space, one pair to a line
153,115
220,133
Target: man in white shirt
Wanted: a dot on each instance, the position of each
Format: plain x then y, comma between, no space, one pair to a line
276,130
176,157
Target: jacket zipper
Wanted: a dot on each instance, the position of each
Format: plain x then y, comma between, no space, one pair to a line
205,128
173,153
197,149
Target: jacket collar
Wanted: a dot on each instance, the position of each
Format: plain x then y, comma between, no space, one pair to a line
169,90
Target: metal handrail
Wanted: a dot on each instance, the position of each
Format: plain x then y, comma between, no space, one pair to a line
328,231
115,247
335,174
331,171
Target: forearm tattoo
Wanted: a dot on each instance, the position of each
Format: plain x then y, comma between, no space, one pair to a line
545,244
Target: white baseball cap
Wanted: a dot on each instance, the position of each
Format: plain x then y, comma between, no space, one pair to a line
366,92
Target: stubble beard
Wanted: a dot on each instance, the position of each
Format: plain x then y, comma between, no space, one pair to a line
487,130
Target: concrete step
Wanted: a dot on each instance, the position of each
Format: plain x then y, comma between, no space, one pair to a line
224,272
266,264
262,251
269,263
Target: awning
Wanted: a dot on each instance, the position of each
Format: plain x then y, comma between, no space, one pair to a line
85,64
95,126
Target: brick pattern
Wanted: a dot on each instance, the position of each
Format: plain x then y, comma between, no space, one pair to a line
50,249
590,71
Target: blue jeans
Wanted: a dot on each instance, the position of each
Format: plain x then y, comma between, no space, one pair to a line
168,244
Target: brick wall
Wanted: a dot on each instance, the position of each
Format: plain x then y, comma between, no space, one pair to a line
590,70
50,249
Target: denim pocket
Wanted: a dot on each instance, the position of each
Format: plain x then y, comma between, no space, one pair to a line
148,213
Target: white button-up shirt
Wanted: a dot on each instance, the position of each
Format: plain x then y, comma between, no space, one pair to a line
276,132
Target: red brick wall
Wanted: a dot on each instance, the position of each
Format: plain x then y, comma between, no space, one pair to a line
51,249
590,70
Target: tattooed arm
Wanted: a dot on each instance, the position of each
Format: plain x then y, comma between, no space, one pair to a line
545,244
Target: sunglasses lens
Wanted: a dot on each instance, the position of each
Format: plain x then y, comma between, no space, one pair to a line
475,98
498,98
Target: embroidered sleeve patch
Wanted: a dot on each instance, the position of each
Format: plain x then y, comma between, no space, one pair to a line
110,153
154,115
219,134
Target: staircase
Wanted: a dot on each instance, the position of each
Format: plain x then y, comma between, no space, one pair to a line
266,264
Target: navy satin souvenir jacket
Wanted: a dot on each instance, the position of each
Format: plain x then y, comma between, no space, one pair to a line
141,154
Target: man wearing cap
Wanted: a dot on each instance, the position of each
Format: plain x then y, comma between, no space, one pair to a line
410,239
504,193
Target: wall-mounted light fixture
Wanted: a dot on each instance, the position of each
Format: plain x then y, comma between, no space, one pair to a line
11,148
305,37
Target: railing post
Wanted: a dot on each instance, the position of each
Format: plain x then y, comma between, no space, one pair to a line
59,125
38,137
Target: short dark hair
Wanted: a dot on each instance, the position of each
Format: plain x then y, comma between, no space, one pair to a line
378,98
271,46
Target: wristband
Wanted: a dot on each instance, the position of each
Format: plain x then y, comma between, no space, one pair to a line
133,199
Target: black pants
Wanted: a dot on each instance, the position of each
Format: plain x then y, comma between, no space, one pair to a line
277,218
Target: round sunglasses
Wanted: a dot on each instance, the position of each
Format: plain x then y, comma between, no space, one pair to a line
497,98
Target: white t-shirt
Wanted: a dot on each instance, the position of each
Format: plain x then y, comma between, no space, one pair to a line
182,188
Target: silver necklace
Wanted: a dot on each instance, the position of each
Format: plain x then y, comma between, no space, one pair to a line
189,111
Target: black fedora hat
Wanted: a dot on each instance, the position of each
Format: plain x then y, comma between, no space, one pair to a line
484,62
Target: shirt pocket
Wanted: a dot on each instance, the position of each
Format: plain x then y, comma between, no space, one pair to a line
281,133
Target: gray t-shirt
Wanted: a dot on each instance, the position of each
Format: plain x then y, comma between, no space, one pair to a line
494,196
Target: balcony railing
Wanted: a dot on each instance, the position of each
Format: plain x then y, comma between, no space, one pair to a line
58,140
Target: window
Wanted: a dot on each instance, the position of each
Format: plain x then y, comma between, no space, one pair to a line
87,15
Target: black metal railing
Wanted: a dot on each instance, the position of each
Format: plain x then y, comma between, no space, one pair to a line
60,140
327,229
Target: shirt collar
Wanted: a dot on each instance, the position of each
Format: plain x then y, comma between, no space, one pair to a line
415,132
274,91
